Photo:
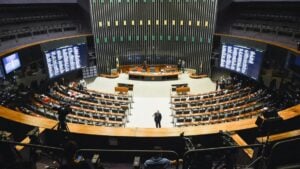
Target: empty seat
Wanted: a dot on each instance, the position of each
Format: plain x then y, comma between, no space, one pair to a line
176,99
193,104
191,98
120,119
186,112
184,105
188,120
195,111
214,117
202,110
217,108
197,118
178,112
205,118
180,120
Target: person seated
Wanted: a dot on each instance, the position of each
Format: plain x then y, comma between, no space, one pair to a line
158,162
69,159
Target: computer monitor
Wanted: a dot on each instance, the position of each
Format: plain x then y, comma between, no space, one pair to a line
11,62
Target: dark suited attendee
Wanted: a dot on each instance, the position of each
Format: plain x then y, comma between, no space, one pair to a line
157,119
145,65
70,161
179,65
182,66
159,162
222,84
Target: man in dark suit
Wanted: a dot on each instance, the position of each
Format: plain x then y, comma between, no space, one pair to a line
157,119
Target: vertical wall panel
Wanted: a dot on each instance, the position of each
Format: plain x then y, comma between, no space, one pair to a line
109,44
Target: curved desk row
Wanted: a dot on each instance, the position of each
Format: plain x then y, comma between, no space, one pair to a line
139,132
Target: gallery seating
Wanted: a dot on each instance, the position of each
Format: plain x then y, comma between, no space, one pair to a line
265,22
32,20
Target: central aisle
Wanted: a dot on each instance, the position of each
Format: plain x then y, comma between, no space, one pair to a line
150,96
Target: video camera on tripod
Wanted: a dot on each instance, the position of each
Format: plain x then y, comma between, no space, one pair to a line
63,111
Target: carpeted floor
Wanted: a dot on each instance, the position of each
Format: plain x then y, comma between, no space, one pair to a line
150,96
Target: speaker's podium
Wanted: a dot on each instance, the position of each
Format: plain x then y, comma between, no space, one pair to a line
121,90
182,90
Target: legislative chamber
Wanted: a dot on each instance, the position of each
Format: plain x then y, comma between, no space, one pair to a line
148,84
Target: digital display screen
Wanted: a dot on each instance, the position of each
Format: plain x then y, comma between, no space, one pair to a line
297,61
11,62
89,72
66,59
2,76
242,59
294,63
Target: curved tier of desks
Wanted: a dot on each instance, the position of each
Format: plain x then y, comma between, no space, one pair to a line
135,132
280,136
290,113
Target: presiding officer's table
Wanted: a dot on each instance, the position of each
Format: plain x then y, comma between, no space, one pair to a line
153,76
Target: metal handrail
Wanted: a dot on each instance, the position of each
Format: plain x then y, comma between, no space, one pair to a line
189,152
133,151
32,145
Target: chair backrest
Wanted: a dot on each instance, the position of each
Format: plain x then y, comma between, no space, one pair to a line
285,153
155,166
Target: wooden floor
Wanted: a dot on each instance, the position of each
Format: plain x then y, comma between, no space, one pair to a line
136,132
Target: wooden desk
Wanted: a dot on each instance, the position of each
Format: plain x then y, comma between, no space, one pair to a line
156,76
122,90
289,113
110,76
27,119
156,67
27,140
129,86
241,142
182,90
175,86
128,132
195,76
280,136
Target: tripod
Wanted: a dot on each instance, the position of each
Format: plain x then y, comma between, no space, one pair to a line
265,126
62,126
262,159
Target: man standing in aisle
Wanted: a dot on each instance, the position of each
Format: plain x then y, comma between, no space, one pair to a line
157,119
179,65
182,65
